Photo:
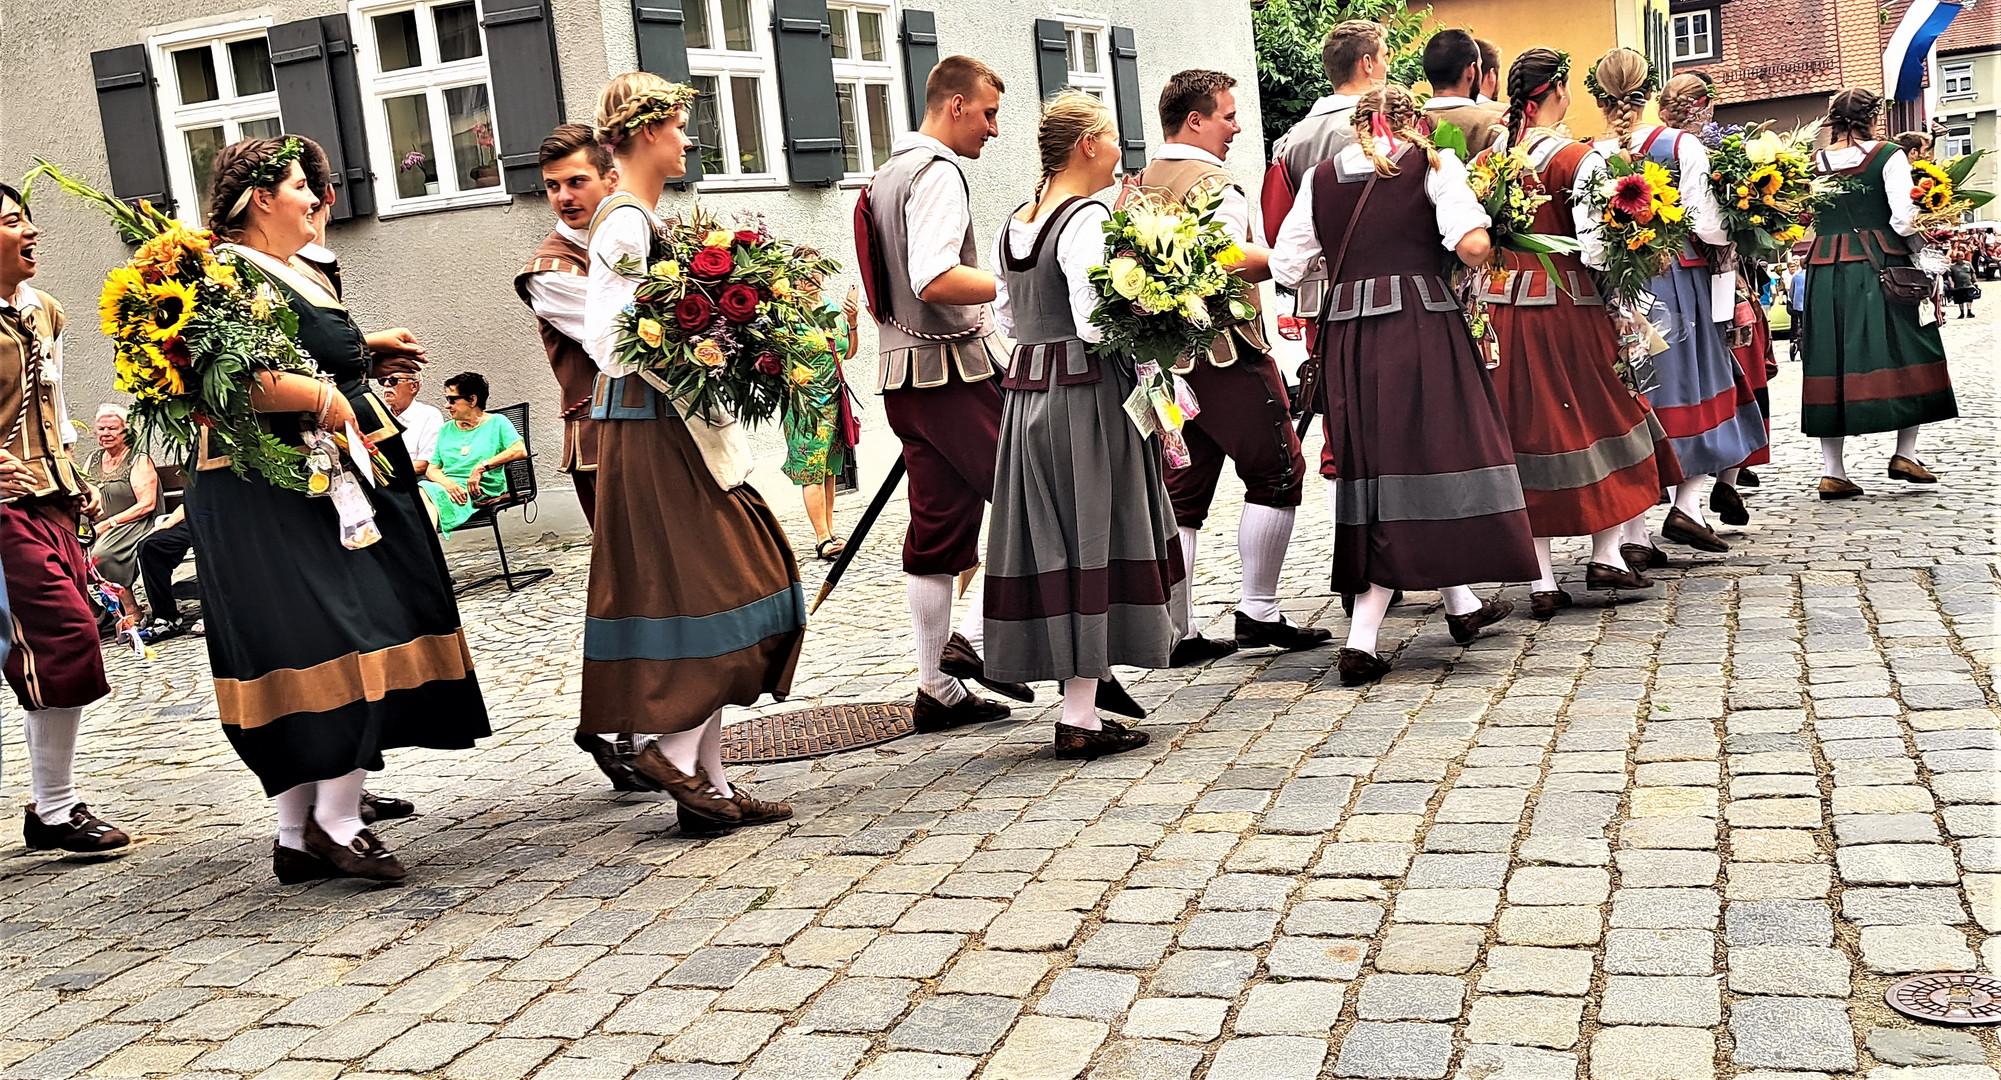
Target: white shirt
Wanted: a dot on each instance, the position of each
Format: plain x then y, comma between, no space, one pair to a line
1448,103
1692,161
1235,210
1455,208
317,253
1080,247
1896,180
1542,146
936,218
560,297
27,301
624,234
421,424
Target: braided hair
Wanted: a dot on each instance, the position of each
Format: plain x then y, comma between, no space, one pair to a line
634,100
1622,81
253,164
1851,113
1684,99
1068,118
1533,79
1397,109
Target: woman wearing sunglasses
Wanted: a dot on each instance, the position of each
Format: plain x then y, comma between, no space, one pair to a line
472,451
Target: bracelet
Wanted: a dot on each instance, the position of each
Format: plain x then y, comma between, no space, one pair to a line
321,404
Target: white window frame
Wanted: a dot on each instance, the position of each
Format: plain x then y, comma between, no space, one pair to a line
228,112
861,74
724,64
1677,33
1957,72
1956,141
1098,83
432,79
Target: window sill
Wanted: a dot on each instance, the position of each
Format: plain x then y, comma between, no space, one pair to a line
734,184
431,204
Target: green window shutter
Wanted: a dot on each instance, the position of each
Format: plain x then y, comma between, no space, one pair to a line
807,109
1125,88
920,55
1052,57
130,116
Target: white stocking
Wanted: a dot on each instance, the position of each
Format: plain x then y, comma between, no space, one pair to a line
337,806
973,624
1688,498
1605,548
1907,442
1635,532
51,737
1459,600
1367,621
1184,591
931,620
1728,477
1830,458
682,749
1262,537
1547,582
1080,704
295,805
710,753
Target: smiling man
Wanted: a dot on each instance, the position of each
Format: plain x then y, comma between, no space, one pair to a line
577,174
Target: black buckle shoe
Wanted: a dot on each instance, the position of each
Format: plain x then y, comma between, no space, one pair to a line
84,831
1728,505
960,661
294,867
932,715
1464,628
375,808
1199,650
1113,698
1747,478
1254,634
1114,738
615,759
1358,668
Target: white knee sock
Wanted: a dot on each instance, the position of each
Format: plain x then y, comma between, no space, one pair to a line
1184,592
1262,537
1547,582
1605,547
295,805
1688,498
1080,704
710,753
1333,506
973,624
1459,600
639,741
1729,476
1907,443
931,619
682,749
1635,532
52,761
1367,622
337,806
1830,458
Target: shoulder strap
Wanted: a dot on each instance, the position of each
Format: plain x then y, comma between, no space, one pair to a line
1651,136
1341,252
612,202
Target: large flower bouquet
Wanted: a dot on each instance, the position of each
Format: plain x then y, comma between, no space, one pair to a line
1940,191
1766,185
1511,192
1641,219
1164,292
718,322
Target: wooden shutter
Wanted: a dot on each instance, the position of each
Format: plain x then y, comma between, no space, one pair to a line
350,108
303,62
920,55
658,31
807,109
527,93
1125,88
130,115
1052,57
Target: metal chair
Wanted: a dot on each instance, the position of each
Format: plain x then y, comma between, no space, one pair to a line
520,493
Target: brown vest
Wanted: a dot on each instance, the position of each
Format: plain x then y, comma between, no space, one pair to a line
1177,179
30,406
576,373
1482,124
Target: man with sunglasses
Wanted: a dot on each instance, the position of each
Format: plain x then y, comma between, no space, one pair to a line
421,422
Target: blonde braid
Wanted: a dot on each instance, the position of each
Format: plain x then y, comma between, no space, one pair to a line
1068,118
1399,111
1622,82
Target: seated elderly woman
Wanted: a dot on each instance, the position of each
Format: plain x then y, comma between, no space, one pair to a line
130,489
472,448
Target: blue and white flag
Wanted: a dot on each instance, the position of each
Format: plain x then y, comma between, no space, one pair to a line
1904,58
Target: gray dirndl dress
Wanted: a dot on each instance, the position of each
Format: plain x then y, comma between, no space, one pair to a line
1081,548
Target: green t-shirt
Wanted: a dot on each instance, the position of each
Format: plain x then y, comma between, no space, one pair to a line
459,450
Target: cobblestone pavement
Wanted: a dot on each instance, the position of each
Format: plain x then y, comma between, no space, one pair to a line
1694,834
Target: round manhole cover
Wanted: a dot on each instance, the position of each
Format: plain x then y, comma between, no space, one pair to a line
809,733
1948,997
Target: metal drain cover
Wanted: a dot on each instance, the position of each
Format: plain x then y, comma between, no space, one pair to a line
810,733
1948,997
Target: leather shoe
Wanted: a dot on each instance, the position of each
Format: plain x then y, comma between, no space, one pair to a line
1835,487
1253,634
1543,606
374,808
1643,557
1911,472
1682,529
362,857
1747,478
1199,650
84,831
695,792
1076,742
1358,668
294,867
1113,698
1606,578
1464,628
750,812
932,715
615,760
961,661
1348,601
1725,503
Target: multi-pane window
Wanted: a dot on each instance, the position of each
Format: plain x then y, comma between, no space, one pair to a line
1957,141
1695,36
864,84
431,130
729,57
1958,80
1089,58
214,90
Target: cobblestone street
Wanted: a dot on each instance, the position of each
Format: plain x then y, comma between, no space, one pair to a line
1692,835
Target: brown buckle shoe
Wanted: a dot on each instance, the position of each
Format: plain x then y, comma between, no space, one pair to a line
1834,487
1640,557
1358,668
294,867
1682,529
1199,650
1911,472
1727,504
615,760
961,662
1464,628
1115,738
84,831
753,812
1605,578
1747,478
695,792
375,808
931,715
1543,606
362,857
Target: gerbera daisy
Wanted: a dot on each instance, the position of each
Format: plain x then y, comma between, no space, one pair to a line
1632,196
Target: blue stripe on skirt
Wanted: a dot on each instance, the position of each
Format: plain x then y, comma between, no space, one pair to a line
685,637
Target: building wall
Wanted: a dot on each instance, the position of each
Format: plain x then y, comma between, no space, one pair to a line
1585,30
448,275
1980,112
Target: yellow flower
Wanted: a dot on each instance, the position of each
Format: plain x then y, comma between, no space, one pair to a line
1672,214
221,273
1657,175
173,307
1757,219
118,284
781,287
670,270
1126,277
163,253
1763,148
1640,239
651,332
717,238
708,353
801,375
1230,257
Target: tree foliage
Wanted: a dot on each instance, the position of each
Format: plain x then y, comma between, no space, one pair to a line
1289,33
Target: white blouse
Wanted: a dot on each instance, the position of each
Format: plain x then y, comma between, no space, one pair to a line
1079,247
560,297
1455,208
620,235
1692,160
1896,179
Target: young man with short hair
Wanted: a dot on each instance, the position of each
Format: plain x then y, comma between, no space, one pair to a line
1490,70
1244,415
1452,64
1355,57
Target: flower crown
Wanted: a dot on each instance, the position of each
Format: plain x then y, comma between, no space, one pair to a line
1637,98
272,169
655,105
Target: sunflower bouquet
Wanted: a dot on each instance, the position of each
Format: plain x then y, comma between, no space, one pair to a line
1766,185
1940,191
1642,221
719,322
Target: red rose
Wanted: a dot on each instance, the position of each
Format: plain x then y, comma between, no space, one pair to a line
748,237
739,303
769,364
694,312
711,263
176,352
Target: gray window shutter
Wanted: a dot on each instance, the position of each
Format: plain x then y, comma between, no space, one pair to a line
349,109
130,115
812,118
1125,87
527,96
920,55
1052,57
302,61
657,30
